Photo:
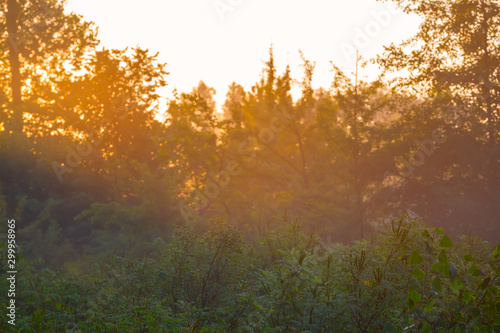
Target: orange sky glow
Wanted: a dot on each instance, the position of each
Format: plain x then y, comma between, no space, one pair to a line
221,41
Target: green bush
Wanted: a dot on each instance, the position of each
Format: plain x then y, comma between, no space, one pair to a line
408,279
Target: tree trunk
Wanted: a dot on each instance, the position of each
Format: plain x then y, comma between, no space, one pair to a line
486,73
15,124
357,154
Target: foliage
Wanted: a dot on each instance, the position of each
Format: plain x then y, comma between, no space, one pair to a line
409,278
121,206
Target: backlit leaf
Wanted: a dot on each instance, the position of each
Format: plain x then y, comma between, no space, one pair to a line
415,258
436,284
446,241
443,258
428,307
415,296
418,274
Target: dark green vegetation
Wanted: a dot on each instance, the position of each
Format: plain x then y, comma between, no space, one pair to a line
100,180
408,279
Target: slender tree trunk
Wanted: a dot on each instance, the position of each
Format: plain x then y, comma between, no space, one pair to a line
486,73
16,120
357,176
486,87
303,157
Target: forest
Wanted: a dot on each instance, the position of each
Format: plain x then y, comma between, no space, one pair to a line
364,206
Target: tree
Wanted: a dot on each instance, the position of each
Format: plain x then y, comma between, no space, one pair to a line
11,22
192,149
456,55
359,140
454,76
44,46
267,136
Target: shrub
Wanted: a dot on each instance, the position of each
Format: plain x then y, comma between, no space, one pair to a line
408,279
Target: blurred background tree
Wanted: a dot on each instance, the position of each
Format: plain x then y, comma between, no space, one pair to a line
91,163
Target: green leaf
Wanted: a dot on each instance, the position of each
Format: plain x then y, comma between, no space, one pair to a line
467,296
410,303
415,296
455,286
443,258
439,230
418,274
415,258
474,270
446,241
496,252
468,257
413,284
441,268
428,307
436,284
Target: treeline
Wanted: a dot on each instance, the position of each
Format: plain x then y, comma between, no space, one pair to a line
90,165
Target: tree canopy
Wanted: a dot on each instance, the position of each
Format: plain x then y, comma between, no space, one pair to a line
91,160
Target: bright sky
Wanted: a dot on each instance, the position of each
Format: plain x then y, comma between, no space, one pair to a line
221,41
